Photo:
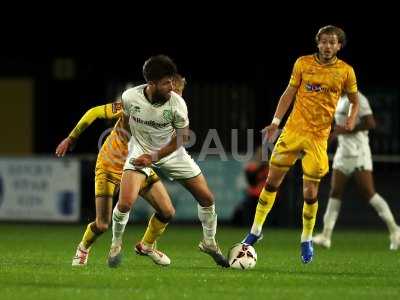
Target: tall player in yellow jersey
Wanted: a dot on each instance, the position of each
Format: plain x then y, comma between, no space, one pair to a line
109,165
317,82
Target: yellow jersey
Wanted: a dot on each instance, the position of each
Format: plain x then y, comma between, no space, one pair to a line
114,151
319,89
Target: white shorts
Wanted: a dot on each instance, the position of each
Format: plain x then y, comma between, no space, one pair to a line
349,164
177,165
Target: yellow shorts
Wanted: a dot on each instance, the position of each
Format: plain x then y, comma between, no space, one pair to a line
107,182
312,152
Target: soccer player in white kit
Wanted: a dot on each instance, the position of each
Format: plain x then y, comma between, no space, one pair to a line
158,120
353,158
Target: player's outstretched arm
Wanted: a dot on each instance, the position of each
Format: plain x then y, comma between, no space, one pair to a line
283,105
108,111
94,113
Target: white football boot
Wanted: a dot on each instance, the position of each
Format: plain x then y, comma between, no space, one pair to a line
115,255
215,252
156,256
81,256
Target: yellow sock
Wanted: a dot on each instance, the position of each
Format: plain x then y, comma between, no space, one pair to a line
155,228
265,203
89,236
309,217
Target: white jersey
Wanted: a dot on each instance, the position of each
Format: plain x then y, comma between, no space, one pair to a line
353,143
153,126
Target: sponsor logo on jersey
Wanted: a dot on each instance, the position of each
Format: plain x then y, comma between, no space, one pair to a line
150,123
135,110
315,87
167,115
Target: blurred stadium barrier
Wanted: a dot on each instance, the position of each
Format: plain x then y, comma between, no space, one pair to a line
40,189
50,189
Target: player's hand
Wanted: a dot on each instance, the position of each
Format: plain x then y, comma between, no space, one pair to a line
143,161
270,132
350,123
64,146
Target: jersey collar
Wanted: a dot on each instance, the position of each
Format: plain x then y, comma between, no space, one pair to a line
322,64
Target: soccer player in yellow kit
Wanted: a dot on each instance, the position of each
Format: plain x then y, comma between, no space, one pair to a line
317,82
109,165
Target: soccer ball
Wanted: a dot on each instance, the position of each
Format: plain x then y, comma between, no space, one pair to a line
242,257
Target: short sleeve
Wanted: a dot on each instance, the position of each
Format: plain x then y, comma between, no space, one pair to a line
295,78
181,118
350,85
125,103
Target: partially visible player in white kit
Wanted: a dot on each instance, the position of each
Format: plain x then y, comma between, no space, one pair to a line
159,124
353,158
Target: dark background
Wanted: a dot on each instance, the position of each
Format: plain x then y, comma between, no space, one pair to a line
252,48
237,59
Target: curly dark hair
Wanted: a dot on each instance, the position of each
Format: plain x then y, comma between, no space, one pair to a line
158,67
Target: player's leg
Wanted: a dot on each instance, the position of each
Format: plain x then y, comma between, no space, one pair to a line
105,185
104,189
309,215
265,202
185,170
93,231
283,156
158,197
198,187
130,185
315,166
365,183
338,182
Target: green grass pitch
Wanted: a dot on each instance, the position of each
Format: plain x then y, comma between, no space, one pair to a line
35,263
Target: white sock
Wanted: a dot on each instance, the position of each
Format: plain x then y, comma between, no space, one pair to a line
383,210
208,219
119,221
256,229
331,215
